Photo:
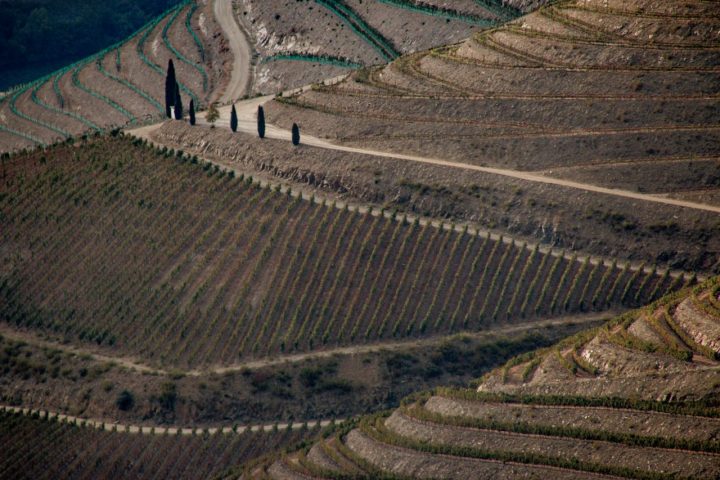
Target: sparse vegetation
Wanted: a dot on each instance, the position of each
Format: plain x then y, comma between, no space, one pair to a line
360,27
212,115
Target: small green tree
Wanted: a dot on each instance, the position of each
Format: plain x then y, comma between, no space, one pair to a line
178,103
233,119
191,112
261,122
295,134
212,114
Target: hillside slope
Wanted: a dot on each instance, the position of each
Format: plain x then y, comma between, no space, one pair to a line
614,94
39,36
299,43
152,254
121,85
636,398
291,44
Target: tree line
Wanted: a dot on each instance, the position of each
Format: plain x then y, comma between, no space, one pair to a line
174,109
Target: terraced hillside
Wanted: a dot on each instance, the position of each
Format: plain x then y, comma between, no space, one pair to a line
289,44
149,253
636,398
121,85
668,351
37,446
303,42
612,97
613,93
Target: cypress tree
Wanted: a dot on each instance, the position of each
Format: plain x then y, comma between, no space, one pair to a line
178,103
233,119
295,134
170,83
261,122
192,112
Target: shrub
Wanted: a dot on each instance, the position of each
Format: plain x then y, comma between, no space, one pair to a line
212,114
191,113
178,103
168,396
125,401
170,86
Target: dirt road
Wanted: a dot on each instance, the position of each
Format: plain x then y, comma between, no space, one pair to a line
246,123
242,52
130,363
247,111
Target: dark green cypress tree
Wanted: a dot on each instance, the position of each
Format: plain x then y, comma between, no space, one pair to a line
233,119
170,83
178,103
261,122
191,112
295,134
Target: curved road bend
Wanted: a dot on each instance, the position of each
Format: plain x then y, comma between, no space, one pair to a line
242,51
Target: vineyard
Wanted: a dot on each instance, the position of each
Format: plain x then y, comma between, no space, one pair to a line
517,207
36,447
635,398
120,85
155,254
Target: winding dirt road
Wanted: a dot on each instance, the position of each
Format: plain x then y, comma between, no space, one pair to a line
242,51
246,123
